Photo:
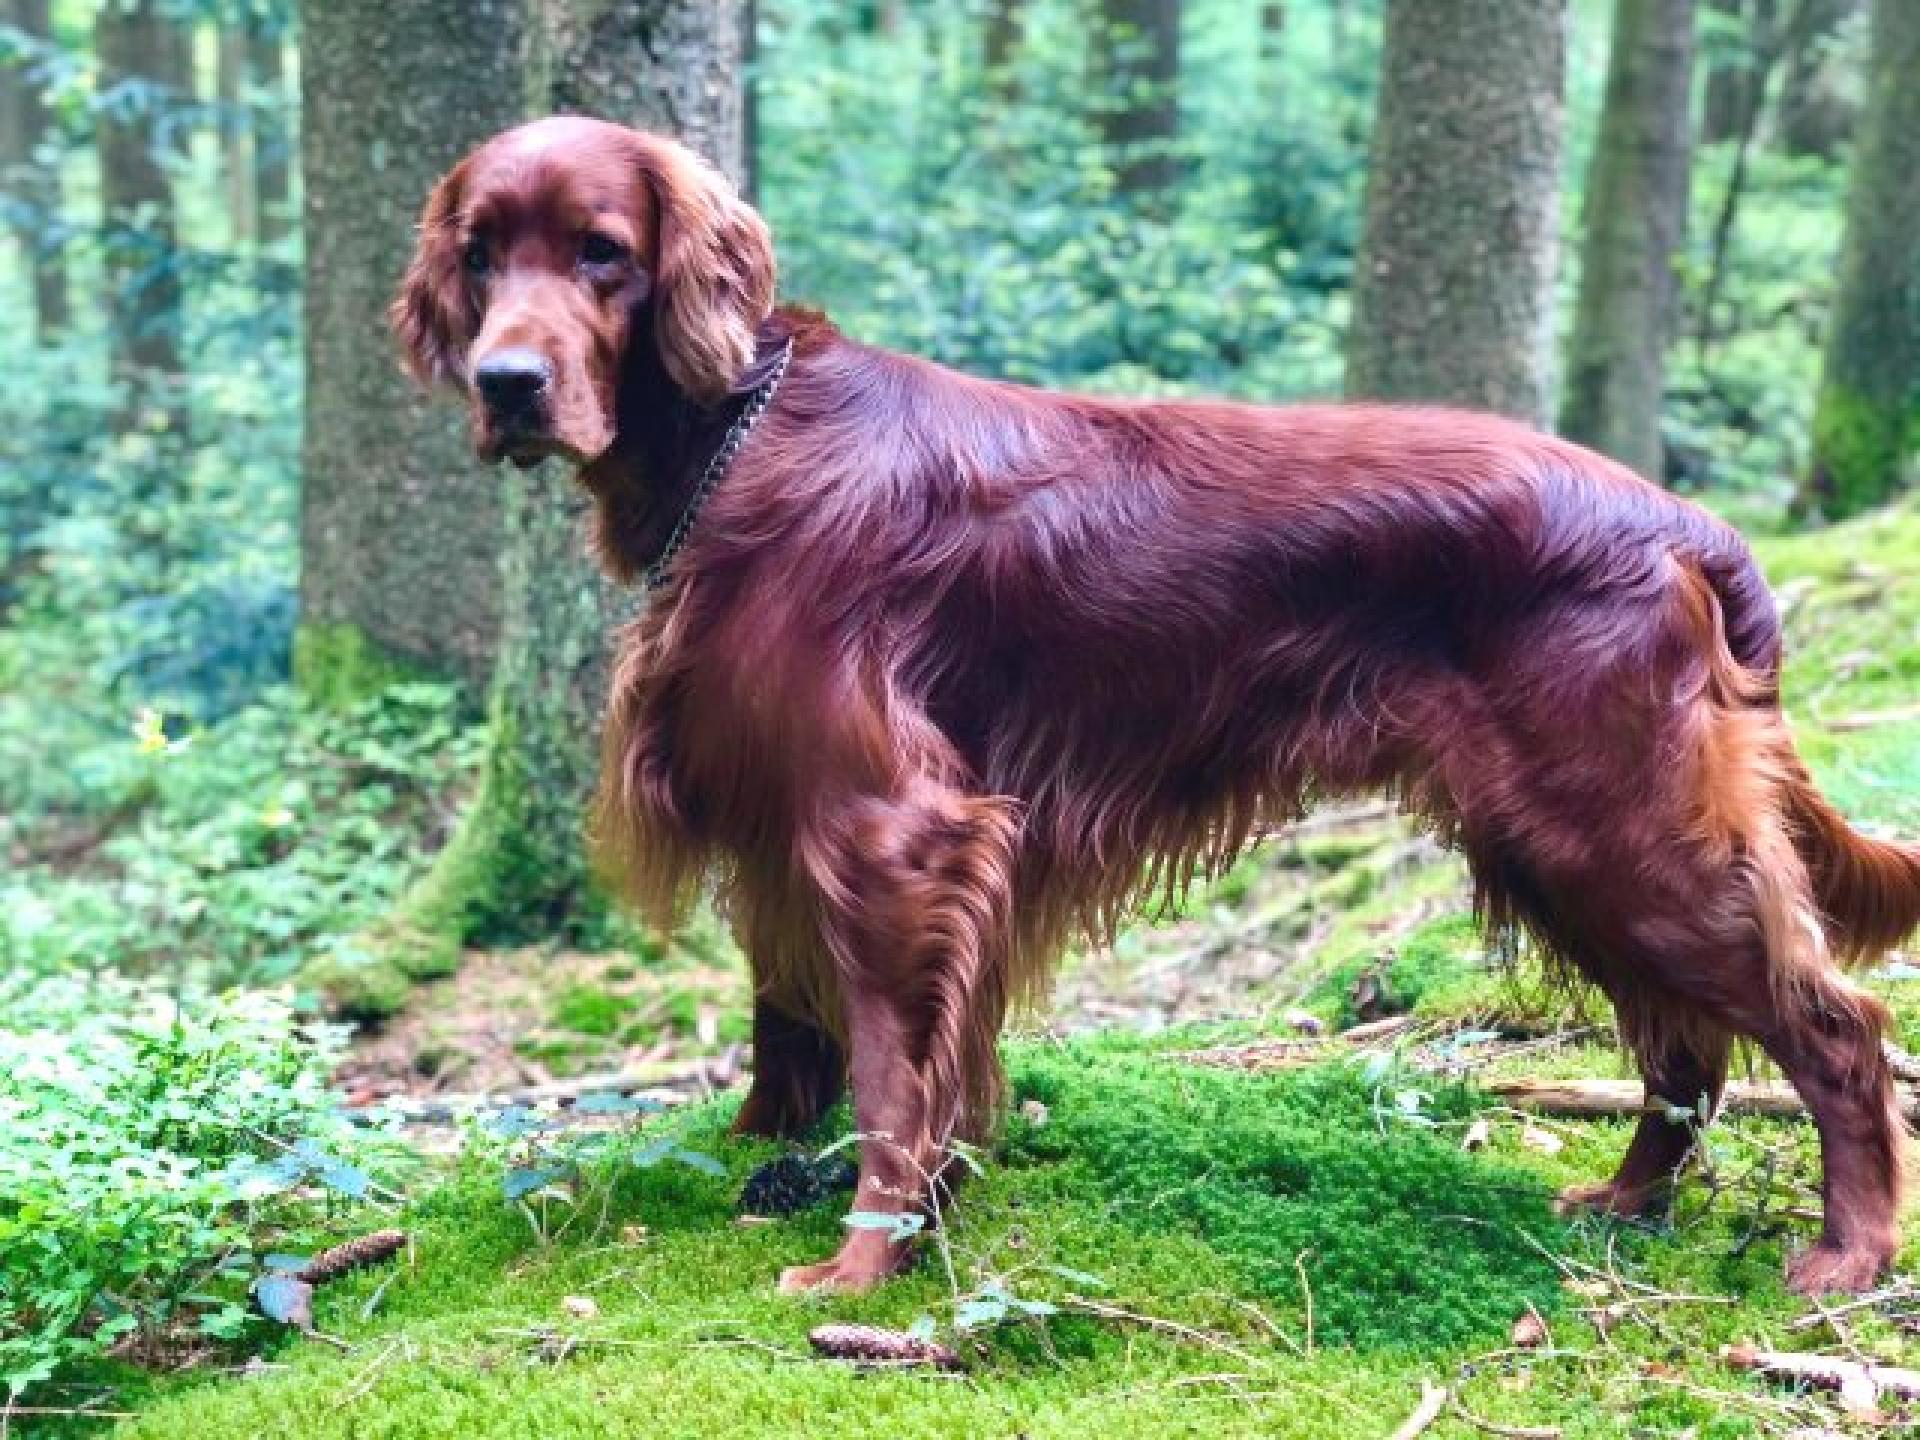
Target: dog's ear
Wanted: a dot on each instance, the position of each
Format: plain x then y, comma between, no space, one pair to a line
714,276
432,315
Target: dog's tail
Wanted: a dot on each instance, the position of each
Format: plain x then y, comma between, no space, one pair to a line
1867,890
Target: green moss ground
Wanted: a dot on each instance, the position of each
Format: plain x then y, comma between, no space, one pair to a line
1198,1198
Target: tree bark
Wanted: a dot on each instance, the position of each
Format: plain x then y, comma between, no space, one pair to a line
1817,115
1136,51
236,134
516,868
139,45
1866,420
1745,30
400,531
269,103
1636,215
1454,285
26,124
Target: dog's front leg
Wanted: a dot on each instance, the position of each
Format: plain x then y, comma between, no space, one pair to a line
915,915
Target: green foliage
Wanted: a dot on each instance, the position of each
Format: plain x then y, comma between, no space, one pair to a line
151,1145
1862,450
233,852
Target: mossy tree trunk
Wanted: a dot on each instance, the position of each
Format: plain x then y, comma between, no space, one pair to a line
1136,53
143,52
1636,215
26,124
400,530
1866,419
1454,285
517,868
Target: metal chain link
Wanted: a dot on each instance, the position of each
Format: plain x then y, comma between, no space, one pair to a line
655,575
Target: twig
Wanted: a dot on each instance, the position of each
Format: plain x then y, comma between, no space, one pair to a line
1511,1432
1828,1372
1433,1399
1828,1313
1599,1099
1306,1290
1157,1323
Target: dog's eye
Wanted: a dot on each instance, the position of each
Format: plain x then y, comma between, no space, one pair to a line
476,257
598,249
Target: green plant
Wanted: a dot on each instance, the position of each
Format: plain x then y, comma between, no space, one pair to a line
152,1144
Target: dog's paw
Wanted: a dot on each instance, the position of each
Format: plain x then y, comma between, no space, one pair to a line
829,1277
1827,1268
1609,1197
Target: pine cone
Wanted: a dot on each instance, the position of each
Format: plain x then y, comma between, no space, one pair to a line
793,1183
871,1345
332,1263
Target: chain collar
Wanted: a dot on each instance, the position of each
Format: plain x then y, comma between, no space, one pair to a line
655,575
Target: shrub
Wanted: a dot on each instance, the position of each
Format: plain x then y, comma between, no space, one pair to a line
151,1145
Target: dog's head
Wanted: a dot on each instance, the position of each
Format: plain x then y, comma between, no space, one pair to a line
554,248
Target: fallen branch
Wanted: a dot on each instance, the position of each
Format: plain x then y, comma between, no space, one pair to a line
1858,1383
1509,1432
1600,1099
1433,1399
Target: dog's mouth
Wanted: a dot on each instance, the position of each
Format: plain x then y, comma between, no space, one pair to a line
524,446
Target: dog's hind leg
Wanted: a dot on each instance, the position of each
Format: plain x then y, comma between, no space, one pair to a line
799,1071
915,895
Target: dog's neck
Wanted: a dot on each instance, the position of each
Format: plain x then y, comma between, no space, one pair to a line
664,439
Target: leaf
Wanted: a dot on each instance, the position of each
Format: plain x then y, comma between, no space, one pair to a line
516,1184
1035,1307
348,1180
924,1328
973,1314
286,1300
286,1264
694,1160
612,1102
902,1226
513,1123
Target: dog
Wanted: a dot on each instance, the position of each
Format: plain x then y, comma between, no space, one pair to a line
940,672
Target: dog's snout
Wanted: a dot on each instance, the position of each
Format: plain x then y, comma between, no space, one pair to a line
512,378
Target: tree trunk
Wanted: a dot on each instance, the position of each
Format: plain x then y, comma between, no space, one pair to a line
236,134
1136,51
1866,419
1636,214
269,103
400,531
1743,31
26,124
138,43
1454,285
1000,46
517,867
1817,114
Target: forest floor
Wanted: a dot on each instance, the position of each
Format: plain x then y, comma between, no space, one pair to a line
1207,1215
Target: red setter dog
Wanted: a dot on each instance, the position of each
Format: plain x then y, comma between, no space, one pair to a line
943,671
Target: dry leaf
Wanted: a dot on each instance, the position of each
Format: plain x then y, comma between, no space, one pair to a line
580,1307
1034,1113
1477,1136
1529,1331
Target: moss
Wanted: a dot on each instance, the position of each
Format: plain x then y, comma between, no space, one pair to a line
1862,448
339,665
590,1010
357,985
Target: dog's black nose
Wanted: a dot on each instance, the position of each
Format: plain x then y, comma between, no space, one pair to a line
509,379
